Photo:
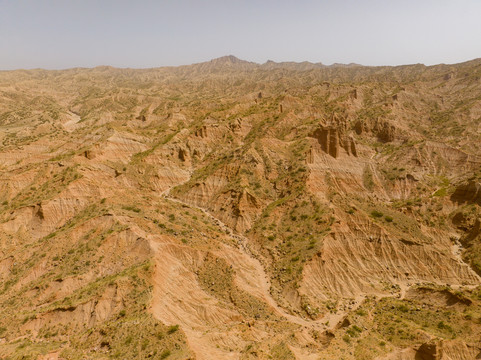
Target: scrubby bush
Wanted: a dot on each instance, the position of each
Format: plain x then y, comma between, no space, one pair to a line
172,329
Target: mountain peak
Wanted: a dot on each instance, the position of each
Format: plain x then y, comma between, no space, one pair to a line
228,60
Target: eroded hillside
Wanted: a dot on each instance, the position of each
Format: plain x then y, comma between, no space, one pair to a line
230,210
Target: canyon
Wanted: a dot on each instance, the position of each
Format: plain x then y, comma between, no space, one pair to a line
235,210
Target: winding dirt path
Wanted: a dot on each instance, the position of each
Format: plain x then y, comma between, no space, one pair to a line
252,278
259,281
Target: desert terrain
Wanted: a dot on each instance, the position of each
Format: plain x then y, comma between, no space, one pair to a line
235,210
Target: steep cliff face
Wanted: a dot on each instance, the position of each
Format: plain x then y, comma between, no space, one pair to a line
382,129
468,193
229,210
331,139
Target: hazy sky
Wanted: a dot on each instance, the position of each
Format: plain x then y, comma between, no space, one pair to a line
56,34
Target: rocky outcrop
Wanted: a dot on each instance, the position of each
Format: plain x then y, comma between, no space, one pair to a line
468,193
427,351
88,313
447,350
332,140
438,297
201,132
183,155
380,128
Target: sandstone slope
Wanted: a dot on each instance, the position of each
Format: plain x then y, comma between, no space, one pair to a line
231,210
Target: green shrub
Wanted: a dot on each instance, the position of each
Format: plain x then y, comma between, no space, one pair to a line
128,340
172,329
165,354
441,192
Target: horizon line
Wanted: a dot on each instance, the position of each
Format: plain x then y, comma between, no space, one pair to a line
351,64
